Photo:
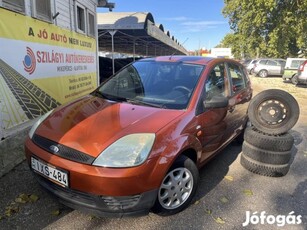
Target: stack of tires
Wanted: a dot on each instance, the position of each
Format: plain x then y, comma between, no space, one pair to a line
267,142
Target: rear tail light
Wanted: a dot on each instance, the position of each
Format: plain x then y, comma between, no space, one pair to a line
302,66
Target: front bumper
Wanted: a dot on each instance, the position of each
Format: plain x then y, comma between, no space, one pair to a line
104,206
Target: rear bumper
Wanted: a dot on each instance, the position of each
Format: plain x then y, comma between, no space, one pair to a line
302,79
104,206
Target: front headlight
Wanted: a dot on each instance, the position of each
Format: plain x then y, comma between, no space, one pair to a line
38,122
128,151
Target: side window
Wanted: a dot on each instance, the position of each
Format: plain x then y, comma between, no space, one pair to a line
15,5
91,24
296,63
42,10
215,84
263,62
272,63
80,16
237,77
85,20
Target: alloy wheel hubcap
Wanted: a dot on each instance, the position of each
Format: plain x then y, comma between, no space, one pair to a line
176,188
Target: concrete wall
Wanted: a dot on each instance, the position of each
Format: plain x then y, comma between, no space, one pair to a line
12,148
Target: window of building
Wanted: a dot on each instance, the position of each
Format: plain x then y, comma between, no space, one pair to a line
16,5
91,24
80,19
42,10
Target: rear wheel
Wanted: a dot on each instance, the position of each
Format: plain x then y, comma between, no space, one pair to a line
177,188
294,79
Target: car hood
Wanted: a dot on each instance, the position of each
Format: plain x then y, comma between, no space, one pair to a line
91,124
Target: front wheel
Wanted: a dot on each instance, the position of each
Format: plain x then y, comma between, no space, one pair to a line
263,73
177,188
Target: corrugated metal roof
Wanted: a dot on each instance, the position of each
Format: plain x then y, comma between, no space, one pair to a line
135,32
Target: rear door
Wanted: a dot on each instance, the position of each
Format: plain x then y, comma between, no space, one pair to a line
274,68
239,95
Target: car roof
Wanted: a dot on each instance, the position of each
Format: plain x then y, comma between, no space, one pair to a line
186,59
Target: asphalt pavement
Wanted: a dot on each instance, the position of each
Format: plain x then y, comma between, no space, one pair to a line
227,193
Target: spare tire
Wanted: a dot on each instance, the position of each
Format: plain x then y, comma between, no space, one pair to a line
273,111
266,156
264,141
262,168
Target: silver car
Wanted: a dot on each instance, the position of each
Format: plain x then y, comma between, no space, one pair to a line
269,67
302,74
250,65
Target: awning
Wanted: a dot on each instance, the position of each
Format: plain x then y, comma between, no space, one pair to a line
135,33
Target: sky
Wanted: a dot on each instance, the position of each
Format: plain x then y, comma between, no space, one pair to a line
195,24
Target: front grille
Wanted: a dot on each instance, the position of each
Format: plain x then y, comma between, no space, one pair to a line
125,202
63,151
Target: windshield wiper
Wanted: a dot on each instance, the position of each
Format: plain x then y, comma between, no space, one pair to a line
109,97
97,93
138,102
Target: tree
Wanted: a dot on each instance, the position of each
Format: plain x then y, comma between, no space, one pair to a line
233,41
272,28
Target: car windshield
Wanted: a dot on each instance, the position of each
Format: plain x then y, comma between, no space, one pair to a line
159,84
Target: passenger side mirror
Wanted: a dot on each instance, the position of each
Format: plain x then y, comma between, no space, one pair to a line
215,102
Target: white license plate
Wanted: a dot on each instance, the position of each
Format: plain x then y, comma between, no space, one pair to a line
49,171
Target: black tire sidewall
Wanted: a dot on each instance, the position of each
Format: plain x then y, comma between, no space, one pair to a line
274,94
263,169
278,143
265,156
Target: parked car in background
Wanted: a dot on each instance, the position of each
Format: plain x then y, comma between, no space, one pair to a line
291,68
302,74
250,65
136,142
269,67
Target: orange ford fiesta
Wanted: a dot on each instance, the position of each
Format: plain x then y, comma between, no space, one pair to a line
135,144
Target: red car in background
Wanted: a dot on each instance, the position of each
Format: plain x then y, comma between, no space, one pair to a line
136,143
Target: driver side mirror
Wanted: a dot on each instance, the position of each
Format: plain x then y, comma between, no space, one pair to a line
215,102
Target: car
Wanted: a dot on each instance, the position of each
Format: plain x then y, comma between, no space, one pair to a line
136,143
269,67
302,74
250,65
290,70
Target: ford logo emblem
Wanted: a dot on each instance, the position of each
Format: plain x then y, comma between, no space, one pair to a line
54,148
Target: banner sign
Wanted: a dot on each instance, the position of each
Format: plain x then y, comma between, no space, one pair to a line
41,67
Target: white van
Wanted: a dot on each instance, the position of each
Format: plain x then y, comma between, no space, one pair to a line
291,67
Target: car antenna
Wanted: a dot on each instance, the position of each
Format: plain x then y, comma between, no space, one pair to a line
170,58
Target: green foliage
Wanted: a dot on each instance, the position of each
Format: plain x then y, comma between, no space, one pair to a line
271,28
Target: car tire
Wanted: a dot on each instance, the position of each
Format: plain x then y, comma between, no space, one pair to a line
263,169
278,143
180,181
263,73
266,156
294,79
273,111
